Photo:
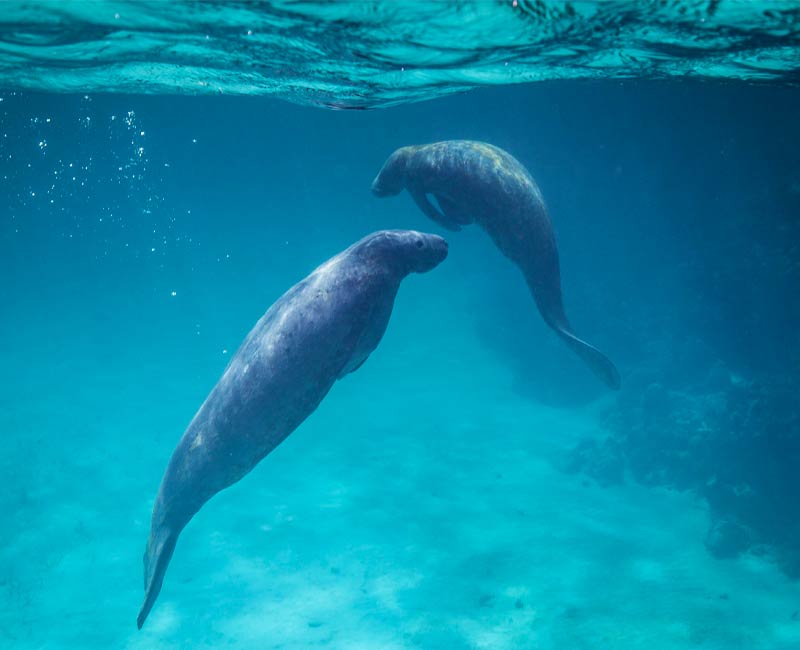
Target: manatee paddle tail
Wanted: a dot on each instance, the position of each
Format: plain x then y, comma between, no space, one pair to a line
159,551
598,362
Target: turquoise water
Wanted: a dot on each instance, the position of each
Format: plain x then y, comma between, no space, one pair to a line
360,54
472,485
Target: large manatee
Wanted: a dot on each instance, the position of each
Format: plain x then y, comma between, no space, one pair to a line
321,329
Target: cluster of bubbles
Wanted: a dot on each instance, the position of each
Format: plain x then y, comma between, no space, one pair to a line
86,178
83,174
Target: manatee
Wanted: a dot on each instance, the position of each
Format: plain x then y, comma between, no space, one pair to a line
321,329
475,182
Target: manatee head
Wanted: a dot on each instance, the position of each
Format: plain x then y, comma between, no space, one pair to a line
391,179
404,251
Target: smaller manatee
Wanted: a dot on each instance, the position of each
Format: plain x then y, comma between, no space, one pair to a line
478,182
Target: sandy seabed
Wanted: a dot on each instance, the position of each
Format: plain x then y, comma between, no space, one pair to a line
420,506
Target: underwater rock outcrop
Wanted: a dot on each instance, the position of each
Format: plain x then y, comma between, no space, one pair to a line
733,441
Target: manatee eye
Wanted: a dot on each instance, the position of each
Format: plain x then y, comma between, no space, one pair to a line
420,243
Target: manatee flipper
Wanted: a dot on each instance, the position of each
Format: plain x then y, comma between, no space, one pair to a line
451,210
599,363
159,551
351,368
359,365
430,211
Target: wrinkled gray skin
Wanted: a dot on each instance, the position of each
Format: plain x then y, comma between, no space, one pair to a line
323,328
475,182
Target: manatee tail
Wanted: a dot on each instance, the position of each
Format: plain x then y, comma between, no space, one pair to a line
159,551
599,363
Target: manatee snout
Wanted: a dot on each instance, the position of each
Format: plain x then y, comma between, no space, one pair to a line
390,180
382,189
432,251
439,246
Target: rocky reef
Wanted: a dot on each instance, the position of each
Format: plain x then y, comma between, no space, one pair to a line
733,441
